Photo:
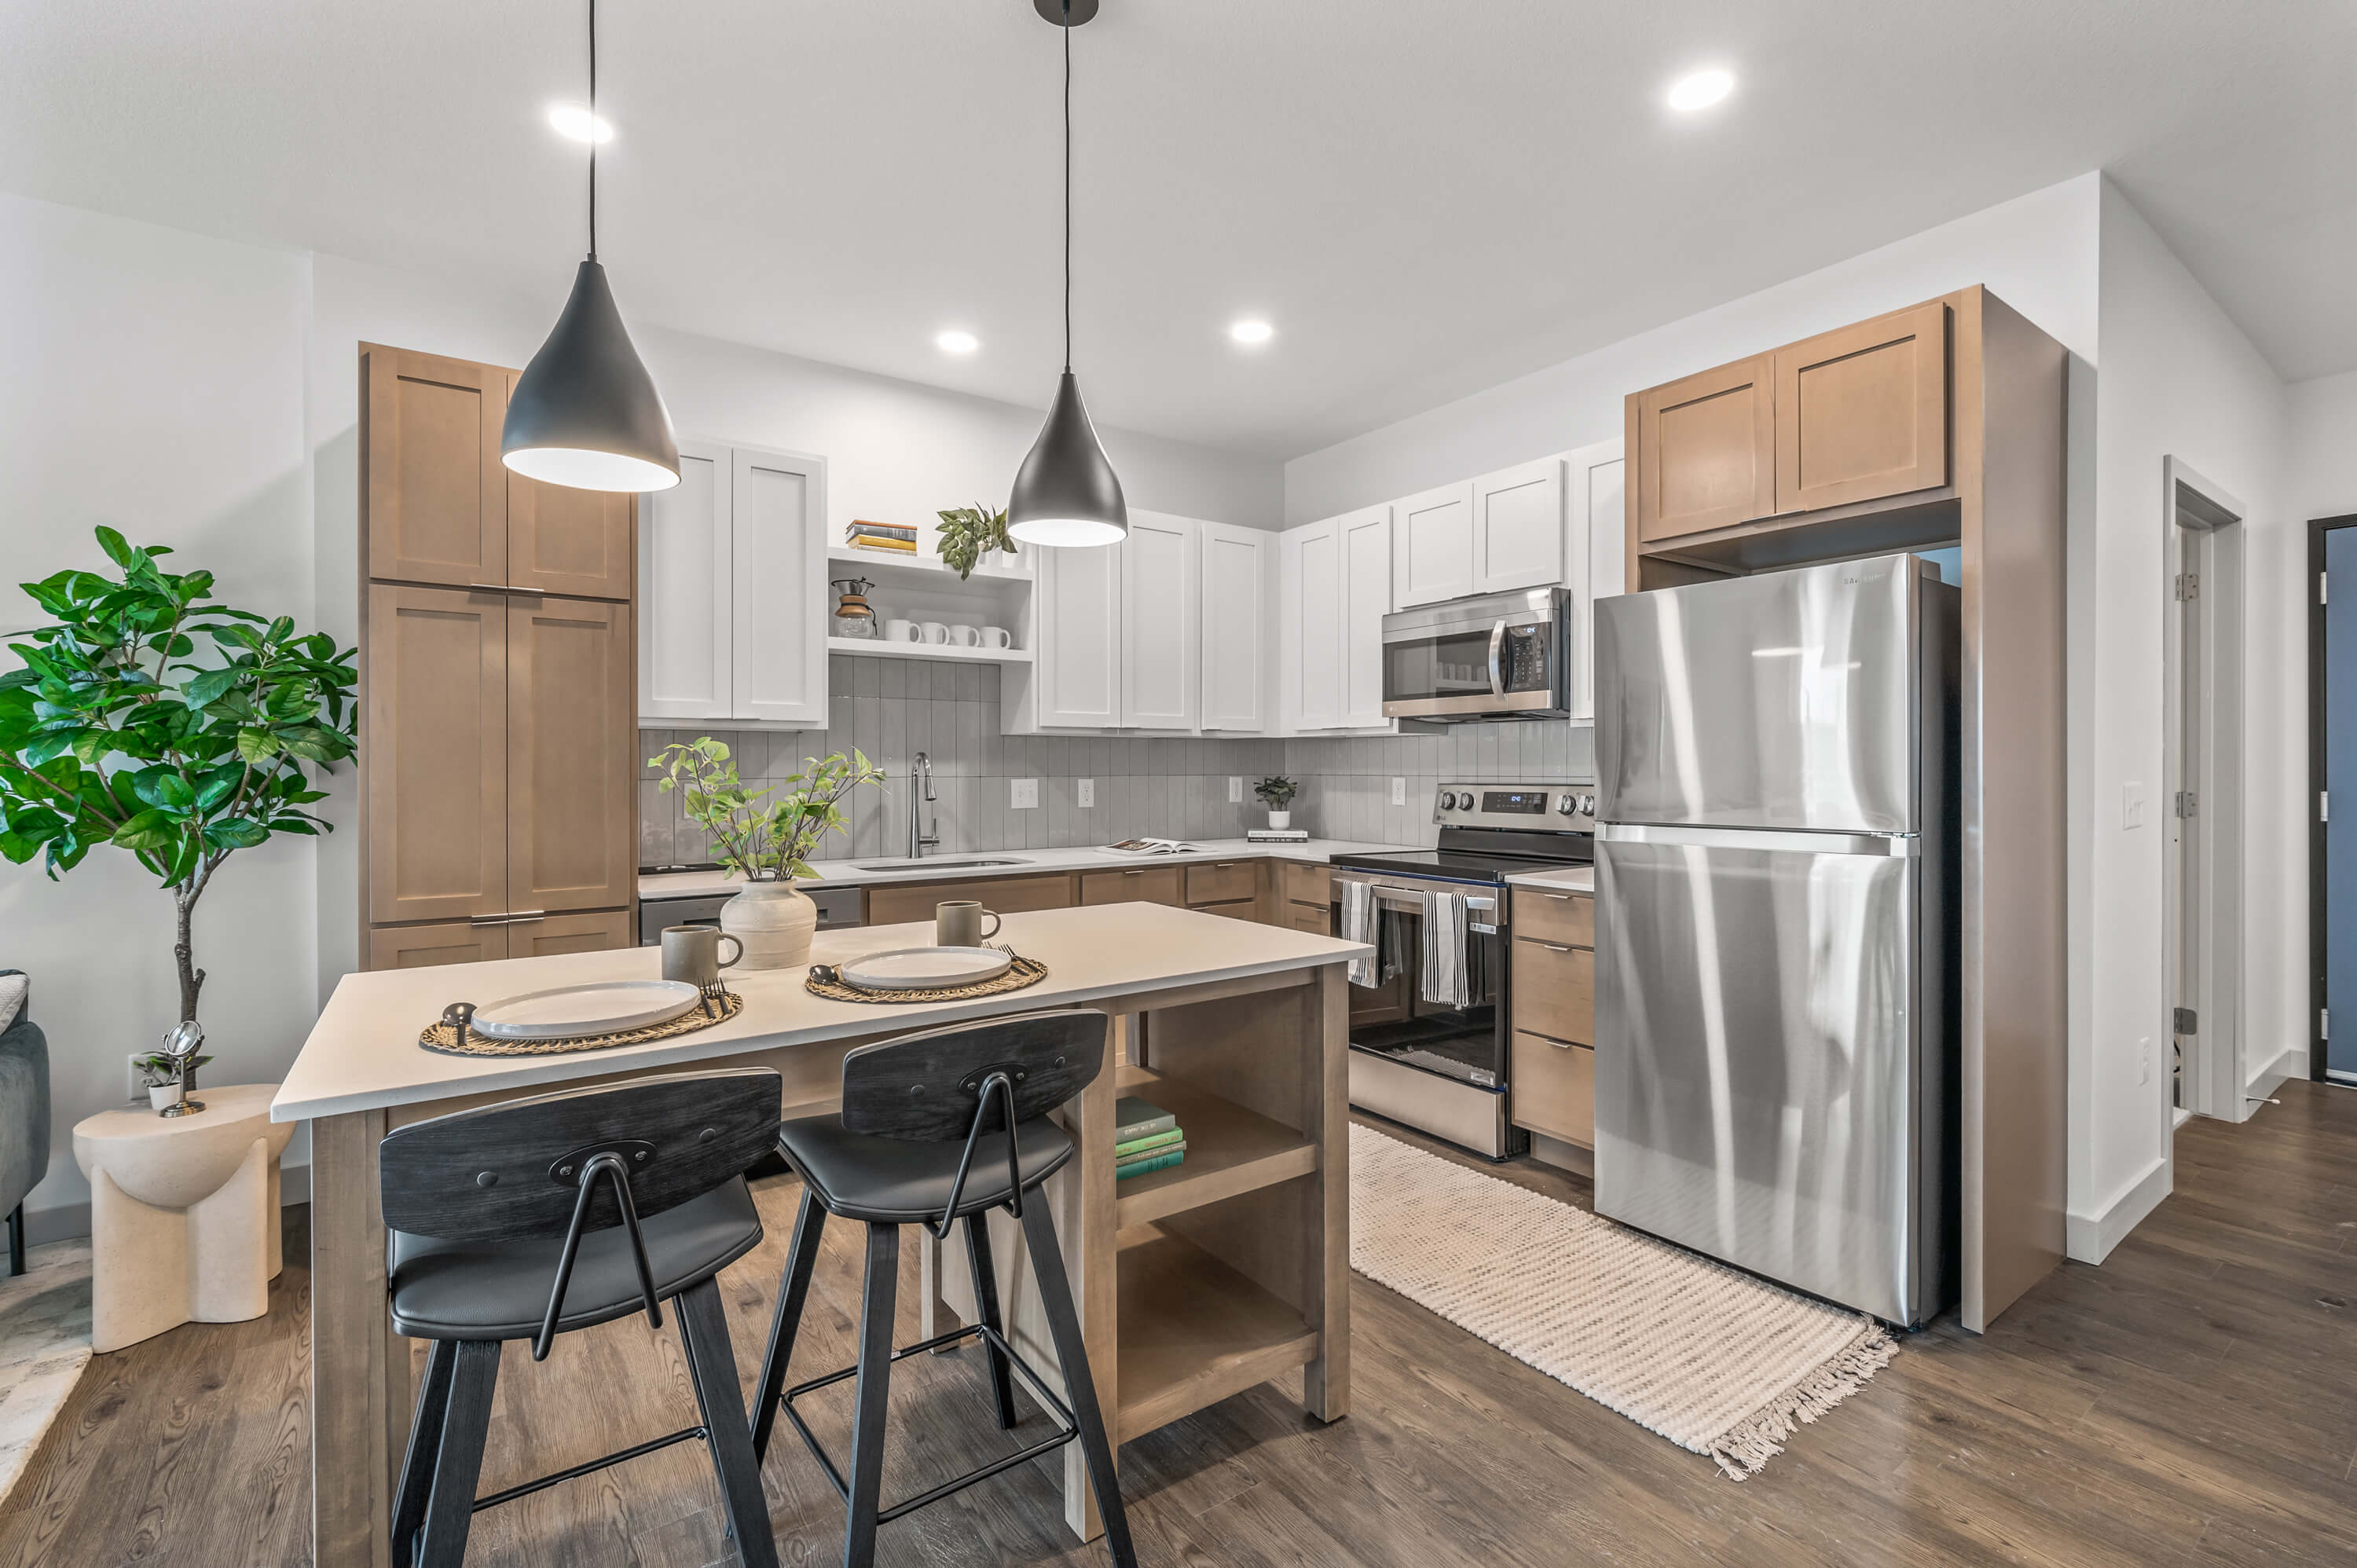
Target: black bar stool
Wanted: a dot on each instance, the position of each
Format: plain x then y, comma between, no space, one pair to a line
541,1217
935,1128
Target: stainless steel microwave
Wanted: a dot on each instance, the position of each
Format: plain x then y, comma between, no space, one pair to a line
1496,656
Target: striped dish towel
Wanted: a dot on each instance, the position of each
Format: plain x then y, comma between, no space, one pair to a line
1443,978
1358,926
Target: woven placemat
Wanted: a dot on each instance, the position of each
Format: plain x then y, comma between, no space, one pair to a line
1022,973
444,1038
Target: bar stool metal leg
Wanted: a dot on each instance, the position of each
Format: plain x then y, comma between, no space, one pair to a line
458,1459
875,1311
1079,1388
704,1332
424,1446
986,1296
802,1258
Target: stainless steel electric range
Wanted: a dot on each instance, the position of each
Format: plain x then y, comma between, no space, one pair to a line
1434,1065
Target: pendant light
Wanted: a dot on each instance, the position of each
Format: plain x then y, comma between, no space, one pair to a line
584,413
1066,493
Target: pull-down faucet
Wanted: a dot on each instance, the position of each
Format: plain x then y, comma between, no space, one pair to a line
919,840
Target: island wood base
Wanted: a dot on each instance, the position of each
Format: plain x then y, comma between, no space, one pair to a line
1193,1284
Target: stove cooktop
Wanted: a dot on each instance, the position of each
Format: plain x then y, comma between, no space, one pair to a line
1456,866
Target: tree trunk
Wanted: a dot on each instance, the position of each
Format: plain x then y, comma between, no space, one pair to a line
192,979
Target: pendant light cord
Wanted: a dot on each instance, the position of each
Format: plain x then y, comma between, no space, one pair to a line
1068,183
593,130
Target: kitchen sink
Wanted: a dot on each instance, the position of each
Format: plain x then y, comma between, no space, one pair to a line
937,864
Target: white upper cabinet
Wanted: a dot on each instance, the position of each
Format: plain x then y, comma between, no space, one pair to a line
1161,623
686,597
732,567
1432,546
1596,538
1367,593
1239,600
1077,629
1334,589
1518,528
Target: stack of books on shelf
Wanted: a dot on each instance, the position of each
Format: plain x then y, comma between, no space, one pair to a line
1145,1138
882,536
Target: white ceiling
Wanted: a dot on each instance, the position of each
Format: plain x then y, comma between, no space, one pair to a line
1427,197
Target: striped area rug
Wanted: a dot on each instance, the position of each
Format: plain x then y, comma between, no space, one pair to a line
1712,1359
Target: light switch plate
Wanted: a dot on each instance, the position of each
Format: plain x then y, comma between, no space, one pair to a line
1087,792
1023,794
1399,792
2132,805
1235,790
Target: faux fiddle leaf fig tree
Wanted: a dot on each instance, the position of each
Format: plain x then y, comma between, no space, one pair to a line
124,728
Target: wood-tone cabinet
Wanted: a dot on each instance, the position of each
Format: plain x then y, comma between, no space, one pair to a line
1334,589
1305,896
1142,884
1238,590
1862,413
1705,450
1551,1047
1223,882
572,814
425,947
896,903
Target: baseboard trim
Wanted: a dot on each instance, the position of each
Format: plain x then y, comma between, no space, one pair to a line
68,1220
2290,1062
2090,1237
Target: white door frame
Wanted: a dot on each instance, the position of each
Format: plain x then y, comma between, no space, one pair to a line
2201,524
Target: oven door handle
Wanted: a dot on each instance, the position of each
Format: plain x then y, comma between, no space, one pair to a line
1403,898
1497,659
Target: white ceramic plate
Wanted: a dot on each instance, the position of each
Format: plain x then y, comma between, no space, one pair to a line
925,968
606,1008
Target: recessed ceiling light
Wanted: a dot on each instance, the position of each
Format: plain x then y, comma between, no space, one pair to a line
956,343
572,120
1700,90
1251,331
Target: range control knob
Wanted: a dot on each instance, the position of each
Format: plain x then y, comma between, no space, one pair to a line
1448,800
1587,805
1566,803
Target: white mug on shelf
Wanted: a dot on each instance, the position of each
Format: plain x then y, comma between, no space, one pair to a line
964,636
995,637
935,633
901,631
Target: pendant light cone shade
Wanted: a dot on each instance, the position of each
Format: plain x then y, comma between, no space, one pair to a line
585,412
1066,493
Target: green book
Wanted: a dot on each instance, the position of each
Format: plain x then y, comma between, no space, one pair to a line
1134,1119
1160,1159
1152,1141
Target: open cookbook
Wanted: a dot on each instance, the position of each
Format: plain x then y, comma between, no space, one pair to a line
1154,846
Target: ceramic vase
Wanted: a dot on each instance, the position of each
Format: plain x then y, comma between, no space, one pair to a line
1280,820
774,920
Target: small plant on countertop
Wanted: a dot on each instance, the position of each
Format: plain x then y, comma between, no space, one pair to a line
971,533
767,835
1276,793
116,731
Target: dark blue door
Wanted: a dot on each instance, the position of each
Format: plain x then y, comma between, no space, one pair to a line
2340,792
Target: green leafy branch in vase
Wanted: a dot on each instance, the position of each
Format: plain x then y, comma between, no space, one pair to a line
767,835
969,533
116,731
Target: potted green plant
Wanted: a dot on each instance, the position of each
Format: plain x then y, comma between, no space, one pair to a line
161,1074
766,836
155,718
1278,794
971,533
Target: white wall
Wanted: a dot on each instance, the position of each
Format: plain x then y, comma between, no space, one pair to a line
154,382
2037,253
2178,379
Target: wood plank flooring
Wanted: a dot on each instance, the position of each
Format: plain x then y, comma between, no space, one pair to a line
2193,1402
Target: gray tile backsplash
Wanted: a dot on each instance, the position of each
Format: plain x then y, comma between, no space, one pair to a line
894,708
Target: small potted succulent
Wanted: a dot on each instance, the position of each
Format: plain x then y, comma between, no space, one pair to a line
1278,794
766,836
969,533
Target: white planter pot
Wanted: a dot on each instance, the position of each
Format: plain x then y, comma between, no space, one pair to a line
1280,818
160,1095
774,920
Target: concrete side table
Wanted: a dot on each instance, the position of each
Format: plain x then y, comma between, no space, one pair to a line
183,1213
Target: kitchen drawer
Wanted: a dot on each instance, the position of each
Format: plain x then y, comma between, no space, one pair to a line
899,901
1552,1084
594,932
1318,919
1555,990
1147,885
1306,884
1234,910
1568,918
1223,882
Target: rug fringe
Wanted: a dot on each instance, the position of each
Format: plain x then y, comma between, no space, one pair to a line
1759,1437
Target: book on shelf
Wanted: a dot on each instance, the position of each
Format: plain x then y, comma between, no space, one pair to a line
1276,835
1158,1160
882,531
1134,1117
897,546
1154,846
1152,1141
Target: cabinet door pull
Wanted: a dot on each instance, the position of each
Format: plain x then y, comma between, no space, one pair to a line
1133,874
1559,898
1551,947
1558,1045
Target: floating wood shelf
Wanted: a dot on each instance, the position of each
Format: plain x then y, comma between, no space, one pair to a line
1194,1331
1230,1150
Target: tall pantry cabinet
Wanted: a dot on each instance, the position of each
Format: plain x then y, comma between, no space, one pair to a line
498,731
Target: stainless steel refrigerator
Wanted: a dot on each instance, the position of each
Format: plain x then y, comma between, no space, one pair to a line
1776,986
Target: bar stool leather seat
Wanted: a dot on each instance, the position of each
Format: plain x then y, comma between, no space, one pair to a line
499,1290
890,1181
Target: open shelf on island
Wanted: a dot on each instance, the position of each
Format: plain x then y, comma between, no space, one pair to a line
1194,1331
876,647
1230,1150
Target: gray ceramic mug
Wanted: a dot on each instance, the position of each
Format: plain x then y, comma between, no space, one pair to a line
692,953
958,924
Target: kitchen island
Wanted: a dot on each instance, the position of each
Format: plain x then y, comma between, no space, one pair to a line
1193,1284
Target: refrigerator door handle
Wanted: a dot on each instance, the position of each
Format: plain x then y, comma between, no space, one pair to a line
1789,841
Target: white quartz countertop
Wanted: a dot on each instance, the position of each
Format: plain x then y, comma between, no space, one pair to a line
1579,878
1021,863
363,1052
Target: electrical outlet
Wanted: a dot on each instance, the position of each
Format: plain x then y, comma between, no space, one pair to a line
1023,794
2144,1059
1399,792
2131,805
1235,790
1087,793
